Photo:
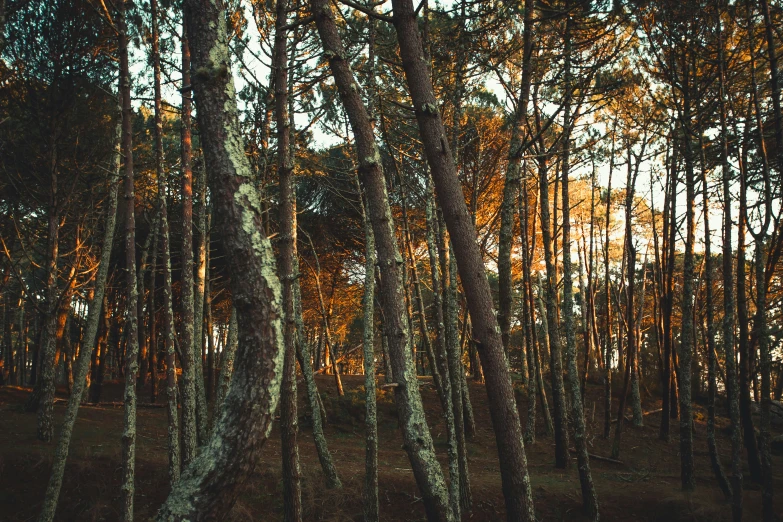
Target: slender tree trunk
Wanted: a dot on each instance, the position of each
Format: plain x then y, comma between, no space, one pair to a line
202,225
208,487
131,309
447,308
687,333
528,323
512,185
329,357
459,488
762,340
505,416
417,440
289,427
749,433
189,347
668,391
316,407
763,275
42,397
712,363
88,345
153,348
371,509
562,457
101,346
589,496
608,298
209,379
144,346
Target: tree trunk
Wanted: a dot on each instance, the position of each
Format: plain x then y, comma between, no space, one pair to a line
131,308
505,416
88,345
371,510
562,457
512,184
460,402
687,333
749,433
589,496
608,299
289,427
202,225
668,406
189,344
763,275
42,397
459,488
153,348
712,362
208,487
417,440
226,363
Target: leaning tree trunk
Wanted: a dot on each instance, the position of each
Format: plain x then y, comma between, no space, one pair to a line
417,440
505,416
456,372
316,407
88,344
511,187
208,487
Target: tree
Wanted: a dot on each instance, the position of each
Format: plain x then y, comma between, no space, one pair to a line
207,487
292,494
505,417
417,439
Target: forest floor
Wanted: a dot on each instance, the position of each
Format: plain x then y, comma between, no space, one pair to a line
646,486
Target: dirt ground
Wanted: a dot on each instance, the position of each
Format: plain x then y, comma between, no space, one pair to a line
646,486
